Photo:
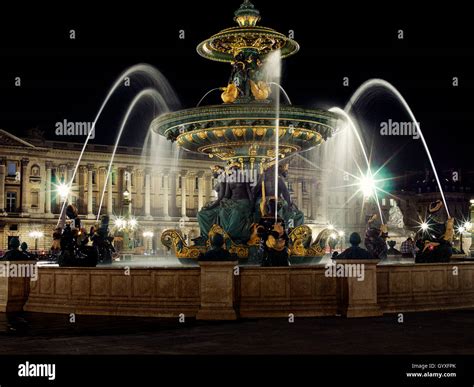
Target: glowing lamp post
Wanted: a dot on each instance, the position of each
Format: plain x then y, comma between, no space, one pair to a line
126,224
148,236
36,235
63,191
341,237
469,224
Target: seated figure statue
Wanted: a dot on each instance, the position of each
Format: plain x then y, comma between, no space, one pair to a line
13,254
235,214
265,186
209,213
354,252
436,243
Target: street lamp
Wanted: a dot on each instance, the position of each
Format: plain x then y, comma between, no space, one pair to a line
341,236
148,235
126,224
36,235
63,191
469,226
461,230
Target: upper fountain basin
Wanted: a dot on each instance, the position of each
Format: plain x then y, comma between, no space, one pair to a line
246,131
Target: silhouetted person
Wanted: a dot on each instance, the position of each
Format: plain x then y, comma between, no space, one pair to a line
24,250
14,254
217,251
354,252
408,248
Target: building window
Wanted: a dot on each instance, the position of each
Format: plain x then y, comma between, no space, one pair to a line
162,181
11,201
114,177
94,177
114,208
180,182
34,199
12,168
196,183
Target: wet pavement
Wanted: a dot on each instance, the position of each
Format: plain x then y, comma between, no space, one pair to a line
442,333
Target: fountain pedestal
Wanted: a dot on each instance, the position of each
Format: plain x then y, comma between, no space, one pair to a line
358,298
217,291
14,290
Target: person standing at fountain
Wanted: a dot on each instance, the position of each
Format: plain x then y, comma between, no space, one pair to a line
14,254
273,249
217,251
354,252
209,214
408,248
235,215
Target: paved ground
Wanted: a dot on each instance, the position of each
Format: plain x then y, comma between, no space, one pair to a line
422,333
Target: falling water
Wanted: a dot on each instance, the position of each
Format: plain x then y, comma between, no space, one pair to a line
272,69
382,83
151,74
205,95
356,132
340,157
283,91
159,102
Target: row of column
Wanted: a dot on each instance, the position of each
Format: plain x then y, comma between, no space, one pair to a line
126,182
204,189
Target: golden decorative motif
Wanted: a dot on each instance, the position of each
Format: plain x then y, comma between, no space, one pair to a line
230,93
296,133
300,242
238,132
173,239
253,150
234,43
218,133
260,90
202,135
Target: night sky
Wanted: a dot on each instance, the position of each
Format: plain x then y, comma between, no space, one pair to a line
68,79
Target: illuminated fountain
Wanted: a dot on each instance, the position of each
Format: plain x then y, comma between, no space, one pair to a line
252,135
251,131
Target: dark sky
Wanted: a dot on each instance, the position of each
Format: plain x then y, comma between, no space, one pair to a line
68,79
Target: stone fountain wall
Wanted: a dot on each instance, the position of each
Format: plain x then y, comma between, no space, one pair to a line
224,291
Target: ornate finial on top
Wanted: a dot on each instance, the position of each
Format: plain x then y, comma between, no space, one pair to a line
247,15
